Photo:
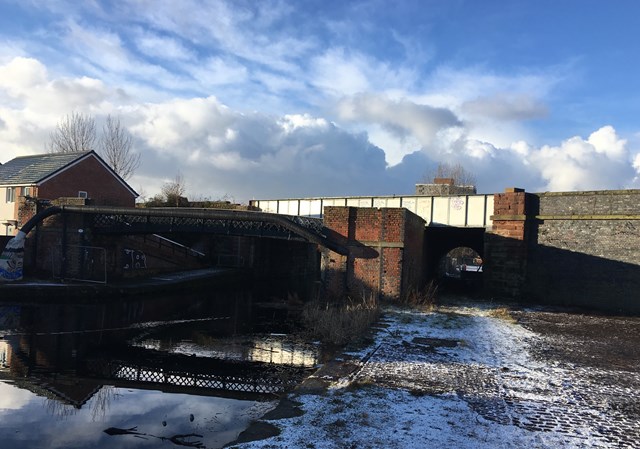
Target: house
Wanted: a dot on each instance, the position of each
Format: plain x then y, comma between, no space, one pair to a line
35,179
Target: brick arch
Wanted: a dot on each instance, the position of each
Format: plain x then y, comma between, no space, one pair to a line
440,240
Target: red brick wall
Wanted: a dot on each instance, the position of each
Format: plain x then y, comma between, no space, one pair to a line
90,176
385,252
506,245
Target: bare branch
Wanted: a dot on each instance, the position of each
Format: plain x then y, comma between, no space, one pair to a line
174,190
116,148
74,133
460,175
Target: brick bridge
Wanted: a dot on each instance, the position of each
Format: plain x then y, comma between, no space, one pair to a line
561,248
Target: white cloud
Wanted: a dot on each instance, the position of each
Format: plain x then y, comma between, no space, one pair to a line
221,150
252,33
217,71
163,47
503,106
600,162
402,120
341,72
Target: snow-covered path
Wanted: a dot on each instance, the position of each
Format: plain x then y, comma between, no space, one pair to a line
464,377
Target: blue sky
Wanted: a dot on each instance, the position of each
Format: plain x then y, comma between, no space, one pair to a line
259,99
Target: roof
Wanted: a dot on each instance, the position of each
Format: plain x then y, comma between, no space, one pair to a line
26,170
32,169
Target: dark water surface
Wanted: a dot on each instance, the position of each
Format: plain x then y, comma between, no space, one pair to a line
191,370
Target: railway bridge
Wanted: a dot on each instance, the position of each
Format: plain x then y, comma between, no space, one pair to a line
565,248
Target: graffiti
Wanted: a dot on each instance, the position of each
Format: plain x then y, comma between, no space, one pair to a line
134,259
457,203
12,259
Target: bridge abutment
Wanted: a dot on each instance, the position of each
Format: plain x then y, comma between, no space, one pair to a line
507,244
385,258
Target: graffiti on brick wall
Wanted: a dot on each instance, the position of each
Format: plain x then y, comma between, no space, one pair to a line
133,259
12,259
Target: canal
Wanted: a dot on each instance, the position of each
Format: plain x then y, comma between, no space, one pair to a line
188,370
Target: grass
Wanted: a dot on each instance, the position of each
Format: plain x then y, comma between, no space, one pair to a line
503,313
340,322
424,299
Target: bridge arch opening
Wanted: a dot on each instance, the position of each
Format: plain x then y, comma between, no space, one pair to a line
461,270
454,256
459,261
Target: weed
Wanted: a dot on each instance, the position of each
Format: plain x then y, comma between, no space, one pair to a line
502,313
359,383
424,299
340,322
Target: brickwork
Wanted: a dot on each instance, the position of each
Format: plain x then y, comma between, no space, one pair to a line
506,246
575,249
589,203
90,176
385,252
587,250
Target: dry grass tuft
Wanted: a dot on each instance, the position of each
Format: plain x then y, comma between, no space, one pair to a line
340,322
424,299
503,313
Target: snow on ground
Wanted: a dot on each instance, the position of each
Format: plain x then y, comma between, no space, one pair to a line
463,377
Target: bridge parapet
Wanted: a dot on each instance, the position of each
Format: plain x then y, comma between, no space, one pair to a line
450,210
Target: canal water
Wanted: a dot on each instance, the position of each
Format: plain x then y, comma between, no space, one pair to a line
177,371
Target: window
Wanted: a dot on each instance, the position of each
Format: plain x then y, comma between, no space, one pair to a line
83,194
11,194
26,191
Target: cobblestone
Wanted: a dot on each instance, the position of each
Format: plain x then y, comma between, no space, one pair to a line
574,375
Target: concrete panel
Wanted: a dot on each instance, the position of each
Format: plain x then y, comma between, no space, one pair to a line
393,202
489,210
441,210
269,206
289,207
365,202
476,211
353,202
423,209
315,208
409,203
379,202
457,211
305,208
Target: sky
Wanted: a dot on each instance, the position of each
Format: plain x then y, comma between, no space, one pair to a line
296,98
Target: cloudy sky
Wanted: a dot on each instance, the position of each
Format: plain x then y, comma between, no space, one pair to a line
271,99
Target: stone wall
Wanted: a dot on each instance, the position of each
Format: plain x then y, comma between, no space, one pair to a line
385,257
444,189
587,250
571,249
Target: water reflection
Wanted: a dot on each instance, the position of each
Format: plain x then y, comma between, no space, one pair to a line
189,370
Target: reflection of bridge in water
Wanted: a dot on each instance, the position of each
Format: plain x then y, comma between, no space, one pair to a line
141,368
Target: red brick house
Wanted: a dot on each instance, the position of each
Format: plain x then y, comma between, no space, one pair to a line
56,175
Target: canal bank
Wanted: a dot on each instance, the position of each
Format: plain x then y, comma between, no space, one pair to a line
35,290
473,375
